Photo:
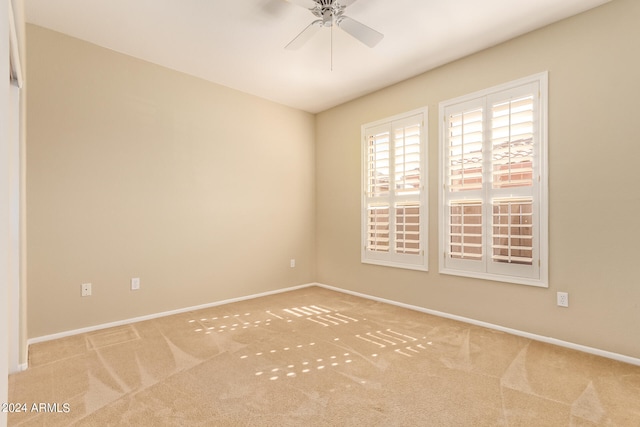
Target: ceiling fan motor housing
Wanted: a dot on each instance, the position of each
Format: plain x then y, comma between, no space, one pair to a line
328,10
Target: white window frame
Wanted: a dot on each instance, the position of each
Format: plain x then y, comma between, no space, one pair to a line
537,273
417,261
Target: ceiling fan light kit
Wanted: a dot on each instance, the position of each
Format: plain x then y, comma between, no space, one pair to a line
331,12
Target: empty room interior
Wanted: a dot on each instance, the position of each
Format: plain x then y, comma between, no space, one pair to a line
314,212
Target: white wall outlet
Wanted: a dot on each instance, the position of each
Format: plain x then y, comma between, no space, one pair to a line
86,289
135,283
563,299
292,263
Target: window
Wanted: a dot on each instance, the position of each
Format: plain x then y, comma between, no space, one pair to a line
394,204
493,201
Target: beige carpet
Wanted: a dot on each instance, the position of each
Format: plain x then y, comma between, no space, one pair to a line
314,357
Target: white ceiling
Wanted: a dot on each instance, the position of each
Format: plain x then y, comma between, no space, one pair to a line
240,43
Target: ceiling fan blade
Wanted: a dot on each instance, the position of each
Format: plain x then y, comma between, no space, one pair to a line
305,35
366,35
307,4
346,3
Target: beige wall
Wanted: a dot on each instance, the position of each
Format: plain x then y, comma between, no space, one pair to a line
594,70
134,170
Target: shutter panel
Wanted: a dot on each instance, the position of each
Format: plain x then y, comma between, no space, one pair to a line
512,238
465,233
408,228
464,156
512,143
378,163
378,228
463,159
378,142
407,159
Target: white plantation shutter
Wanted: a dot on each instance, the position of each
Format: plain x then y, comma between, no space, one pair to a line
493,196
394,204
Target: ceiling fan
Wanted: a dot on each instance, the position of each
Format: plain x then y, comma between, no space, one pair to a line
331,12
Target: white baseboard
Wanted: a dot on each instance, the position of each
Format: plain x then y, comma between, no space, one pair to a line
157,315
19,368
535,337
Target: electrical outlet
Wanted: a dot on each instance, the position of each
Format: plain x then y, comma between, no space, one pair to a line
86,289
563,299
292,263
135,283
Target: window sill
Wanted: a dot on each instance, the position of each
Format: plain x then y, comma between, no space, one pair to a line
540,283
396,265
